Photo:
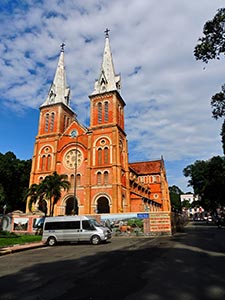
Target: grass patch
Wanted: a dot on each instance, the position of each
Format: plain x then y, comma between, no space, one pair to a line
10,239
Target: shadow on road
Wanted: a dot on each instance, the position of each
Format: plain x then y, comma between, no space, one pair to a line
187,266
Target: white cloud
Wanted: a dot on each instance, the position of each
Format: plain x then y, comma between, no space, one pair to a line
166,91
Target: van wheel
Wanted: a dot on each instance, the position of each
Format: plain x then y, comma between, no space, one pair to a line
51,241
95,240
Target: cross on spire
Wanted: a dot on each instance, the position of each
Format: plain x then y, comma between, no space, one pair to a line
62,47
108,80
107,32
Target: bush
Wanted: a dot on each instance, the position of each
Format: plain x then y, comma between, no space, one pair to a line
10,239
7,234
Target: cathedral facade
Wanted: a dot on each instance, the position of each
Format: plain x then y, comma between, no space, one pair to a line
94,158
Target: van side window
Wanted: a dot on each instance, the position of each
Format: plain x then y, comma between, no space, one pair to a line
62,225
76,225
52,225
72,225
86,225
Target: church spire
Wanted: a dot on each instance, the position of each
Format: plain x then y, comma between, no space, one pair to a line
108,80
59,92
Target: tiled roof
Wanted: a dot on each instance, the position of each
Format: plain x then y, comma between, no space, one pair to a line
148,167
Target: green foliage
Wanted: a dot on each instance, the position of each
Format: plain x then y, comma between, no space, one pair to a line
135,223
49,189
218,104
186,204
4,233
175,193
14,180
208,181
212,44
33,193
197,173
223,136
9,239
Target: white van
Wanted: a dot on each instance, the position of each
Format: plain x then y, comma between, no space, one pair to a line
74,229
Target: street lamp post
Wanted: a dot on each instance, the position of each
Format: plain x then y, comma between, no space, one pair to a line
76,136
75,207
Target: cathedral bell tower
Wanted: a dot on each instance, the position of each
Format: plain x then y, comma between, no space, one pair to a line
55,118
110,158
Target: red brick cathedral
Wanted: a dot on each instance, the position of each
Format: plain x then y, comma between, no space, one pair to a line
94,158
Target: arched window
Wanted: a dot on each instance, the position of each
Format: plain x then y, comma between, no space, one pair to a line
48,162
106,177
43,165
64,122
46,122
99,178
78,180
99,112
99,156
68,122
119,116
52,121
106,155
72,180
106,108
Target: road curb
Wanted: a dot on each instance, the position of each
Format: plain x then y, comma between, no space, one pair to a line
18,248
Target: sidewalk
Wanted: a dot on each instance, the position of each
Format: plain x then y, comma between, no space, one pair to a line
17,248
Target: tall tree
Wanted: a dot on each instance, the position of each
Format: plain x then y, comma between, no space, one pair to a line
223,136
33,194
14,180
218,106
208,181
2,198
175,193
50,190
212,46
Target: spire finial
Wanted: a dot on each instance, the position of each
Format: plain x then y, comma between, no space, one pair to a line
107,32
62,47
59,91
108,80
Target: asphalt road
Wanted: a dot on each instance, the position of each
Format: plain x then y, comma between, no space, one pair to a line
187,266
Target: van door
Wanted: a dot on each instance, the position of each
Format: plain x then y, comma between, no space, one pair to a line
71,231
87,230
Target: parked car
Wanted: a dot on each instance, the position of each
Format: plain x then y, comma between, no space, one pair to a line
74,229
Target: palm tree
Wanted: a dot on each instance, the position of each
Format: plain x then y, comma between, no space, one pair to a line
35,193
32,192
51,188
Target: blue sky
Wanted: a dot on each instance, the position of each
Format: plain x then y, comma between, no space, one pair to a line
167,92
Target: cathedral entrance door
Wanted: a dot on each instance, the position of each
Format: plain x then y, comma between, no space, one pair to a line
70,207
103,205
42,206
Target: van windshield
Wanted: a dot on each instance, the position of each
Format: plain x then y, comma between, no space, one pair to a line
95,223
